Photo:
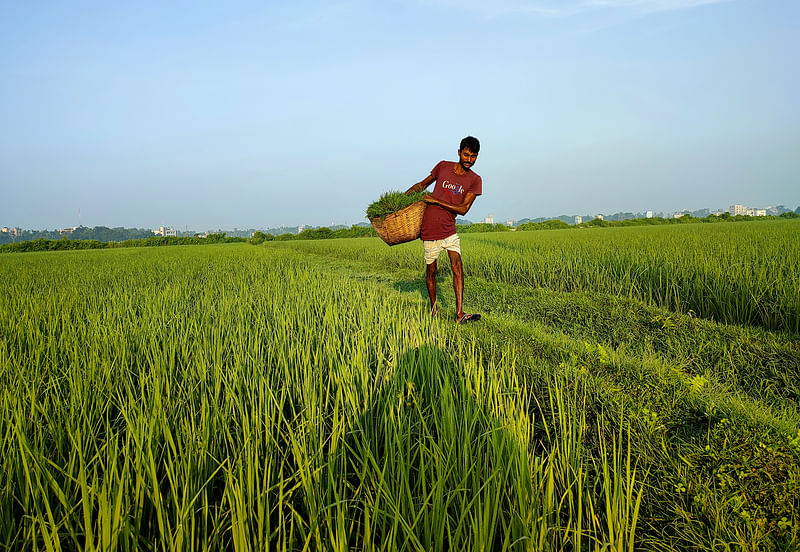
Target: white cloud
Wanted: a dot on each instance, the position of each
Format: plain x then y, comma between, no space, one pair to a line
562,8
650,5
508,7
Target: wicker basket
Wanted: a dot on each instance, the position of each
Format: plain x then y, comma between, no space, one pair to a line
402,226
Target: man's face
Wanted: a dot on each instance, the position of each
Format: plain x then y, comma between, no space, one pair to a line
466,158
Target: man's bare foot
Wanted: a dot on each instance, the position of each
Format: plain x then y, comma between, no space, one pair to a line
434,311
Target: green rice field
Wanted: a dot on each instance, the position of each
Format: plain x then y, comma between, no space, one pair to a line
626,389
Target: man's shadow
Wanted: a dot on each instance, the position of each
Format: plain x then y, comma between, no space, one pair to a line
412,286
428,460
444,283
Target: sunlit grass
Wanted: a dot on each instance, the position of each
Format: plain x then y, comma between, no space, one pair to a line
249,398
741,273
237,398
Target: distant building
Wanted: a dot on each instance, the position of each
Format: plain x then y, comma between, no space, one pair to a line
509,223
301,228
649,214
598,217
748,211
489,219
578,219
166,231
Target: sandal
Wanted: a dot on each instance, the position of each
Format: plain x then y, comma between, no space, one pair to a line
469,318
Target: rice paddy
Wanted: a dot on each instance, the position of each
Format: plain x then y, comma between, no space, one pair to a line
627,388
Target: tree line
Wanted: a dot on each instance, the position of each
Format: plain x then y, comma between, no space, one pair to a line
322,233
99,233
65,244
355,231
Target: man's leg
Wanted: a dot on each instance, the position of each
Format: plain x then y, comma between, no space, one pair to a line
430,281
458,281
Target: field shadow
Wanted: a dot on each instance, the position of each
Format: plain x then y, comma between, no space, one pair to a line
411,286
405,456
443,283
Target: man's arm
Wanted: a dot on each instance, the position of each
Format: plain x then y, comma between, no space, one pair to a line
419,186
460,209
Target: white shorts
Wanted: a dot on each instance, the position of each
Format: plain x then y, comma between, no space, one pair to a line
435,247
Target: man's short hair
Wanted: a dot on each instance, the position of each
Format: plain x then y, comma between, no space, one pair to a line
471,143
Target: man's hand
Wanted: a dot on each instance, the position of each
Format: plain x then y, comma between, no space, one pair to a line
419,186
459,209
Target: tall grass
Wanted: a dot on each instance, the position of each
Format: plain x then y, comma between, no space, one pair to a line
231,397
740,273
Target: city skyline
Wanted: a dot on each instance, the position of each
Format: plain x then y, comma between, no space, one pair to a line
207,116
168,230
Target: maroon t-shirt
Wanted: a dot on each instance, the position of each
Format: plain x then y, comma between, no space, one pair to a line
439,223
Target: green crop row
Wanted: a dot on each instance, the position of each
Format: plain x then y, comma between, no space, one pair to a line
738,273
240,398
297,395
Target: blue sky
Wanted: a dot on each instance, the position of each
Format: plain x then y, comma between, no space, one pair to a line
260,114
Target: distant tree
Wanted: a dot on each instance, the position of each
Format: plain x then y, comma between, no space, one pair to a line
258,237
216,238
553,224
322,233
355,231
483,227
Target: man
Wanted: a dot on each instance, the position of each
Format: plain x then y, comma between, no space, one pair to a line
456,188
